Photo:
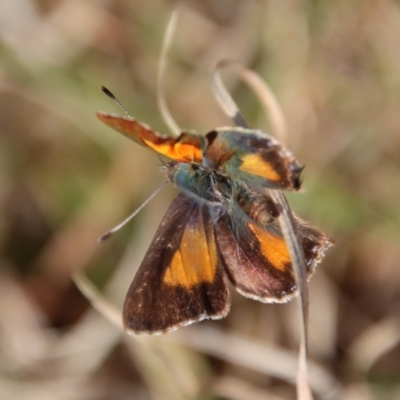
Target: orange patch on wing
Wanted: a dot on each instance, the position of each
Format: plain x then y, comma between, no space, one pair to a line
194,262
273,247
177,149
256,165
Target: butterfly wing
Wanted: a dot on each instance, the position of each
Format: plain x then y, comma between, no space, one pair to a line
180,280
253,157
186,147
257,260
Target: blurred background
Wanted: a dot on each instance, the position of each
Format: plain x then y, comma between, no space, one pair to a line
65,179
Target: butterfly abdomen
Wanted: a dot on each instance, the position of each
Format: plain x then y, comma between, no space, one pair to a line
260,208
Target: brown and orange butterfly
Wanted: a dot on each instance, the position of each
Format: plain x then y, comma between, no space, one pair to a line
222,227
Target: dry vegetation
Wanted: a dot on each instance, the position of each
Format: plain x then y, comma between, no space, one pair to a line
65,179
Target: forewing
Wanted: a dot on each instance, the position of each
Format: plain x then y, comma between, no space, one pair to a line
253,157
257,260
180,280
186,147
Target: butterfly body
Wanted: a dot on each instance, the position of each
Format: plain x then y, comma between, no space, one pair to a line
222,227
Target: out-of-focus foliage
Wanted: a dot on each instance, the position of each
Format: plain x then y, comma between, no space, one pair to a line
65,179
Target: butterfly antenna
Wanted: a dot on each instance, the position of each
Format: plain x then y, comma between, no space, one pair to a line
115,100
162,103
125,221
161,160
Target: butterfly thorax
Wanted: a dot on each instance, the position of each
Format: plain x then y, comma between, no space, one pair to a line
202,182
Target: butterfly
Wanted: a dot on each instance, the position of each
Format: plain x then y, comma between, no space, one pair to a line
222,227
